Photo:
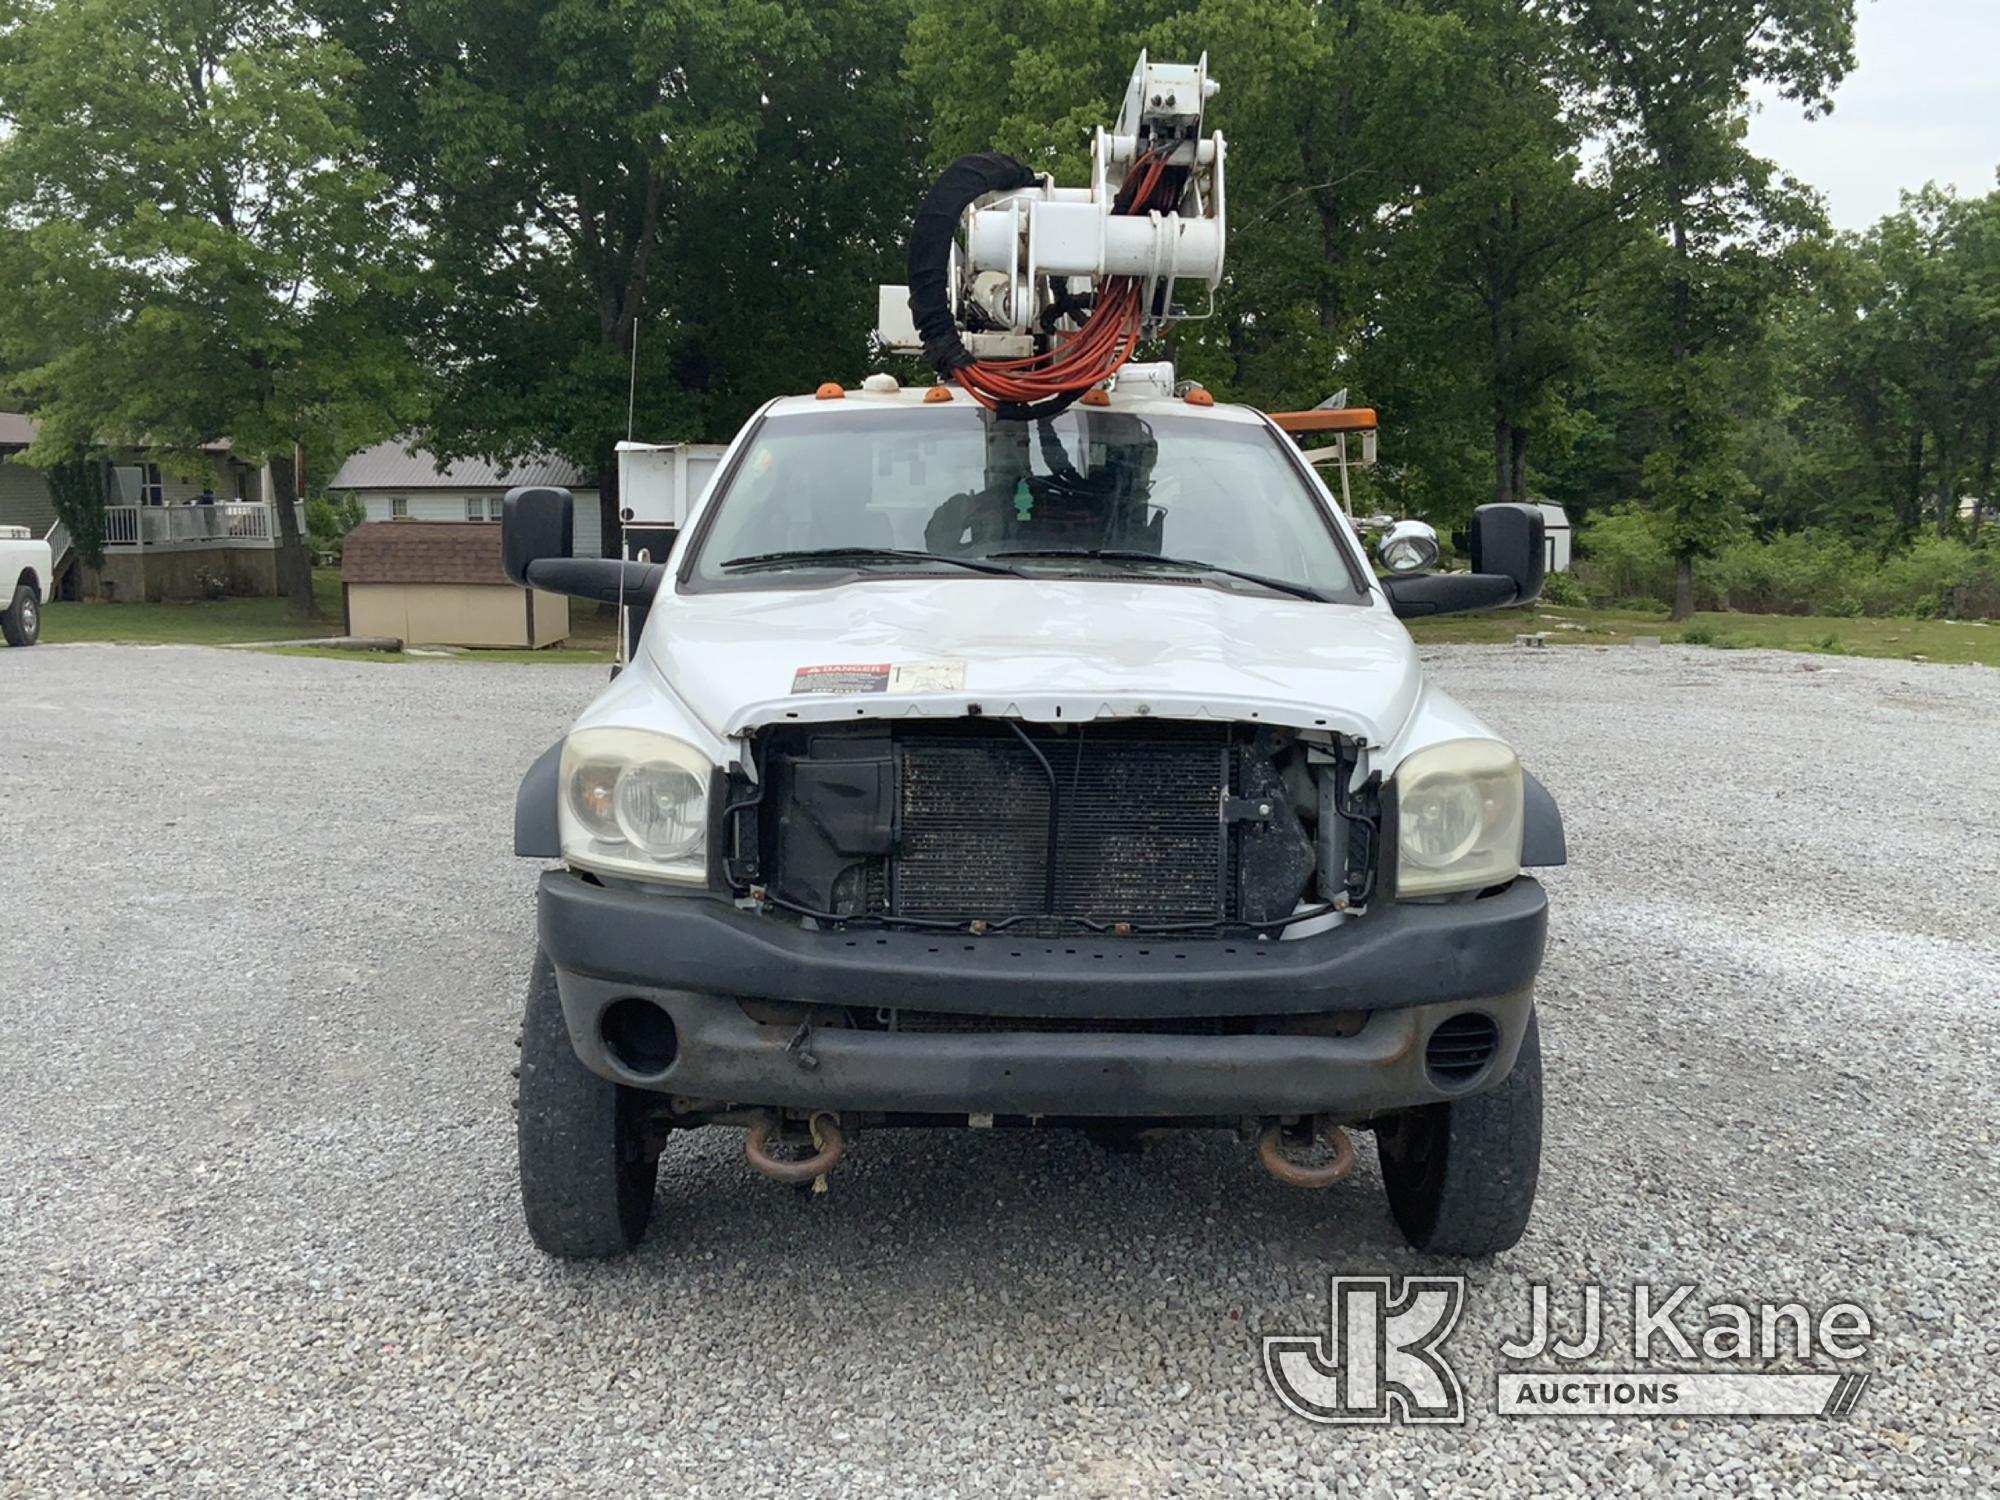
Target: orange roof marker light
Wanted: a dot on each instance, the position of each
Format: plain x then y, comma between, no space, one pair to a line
830,391
938,393
1097,395
1198,397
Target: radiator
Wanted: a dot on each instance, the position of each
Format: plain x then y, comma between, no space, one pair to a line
1139,830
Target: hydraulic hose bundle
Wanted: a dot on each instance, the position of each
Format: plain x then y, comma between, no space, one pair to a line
1026,293
1036,385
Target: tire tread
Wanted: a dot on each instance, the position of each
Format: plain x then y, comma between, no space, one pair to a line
582,1193
1492,1144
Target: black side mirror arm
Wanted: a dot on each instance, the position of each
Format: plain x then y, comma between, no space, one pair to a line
608,580
1415,596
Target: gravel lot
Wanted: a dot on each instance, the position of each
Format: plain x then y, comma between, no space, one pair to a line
261,955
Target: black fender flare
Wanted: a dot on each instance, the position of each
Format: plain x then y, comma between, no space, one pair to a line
537,835
1542,841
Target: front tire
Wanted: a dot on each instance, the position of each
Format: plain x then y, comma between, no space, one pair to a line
587,1170
1461,1175
21,621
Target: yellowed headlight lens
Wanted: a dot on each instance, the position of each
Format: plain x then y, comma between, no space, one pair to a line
1458,818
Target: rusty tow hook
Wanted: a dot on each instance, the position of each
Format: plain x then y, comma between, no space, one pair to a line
1271,1153
828,1143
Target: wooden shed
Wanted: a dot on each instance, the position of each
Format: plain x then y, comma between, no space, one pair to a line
440,583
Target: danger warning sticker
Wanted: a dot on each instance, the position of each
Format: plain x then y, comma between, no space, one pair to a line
881,677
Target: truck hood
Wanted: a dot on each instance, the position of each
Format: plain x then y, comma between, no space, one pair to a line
1034,649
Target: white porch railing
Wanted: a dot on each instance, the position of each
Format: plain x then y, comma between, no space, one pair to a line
59,545
227,523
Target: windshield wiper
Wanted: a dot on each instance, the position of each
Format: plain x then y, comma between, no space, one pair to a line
1186,564
810,555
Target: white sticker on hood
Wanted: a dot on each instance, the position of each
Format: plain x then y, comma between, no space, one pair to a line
946,676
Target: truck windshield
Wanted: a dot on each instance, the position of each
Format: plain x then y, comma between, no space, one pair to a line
1092,492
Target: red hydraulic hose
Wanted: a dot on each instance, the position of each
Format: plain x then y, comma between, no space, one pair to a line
1108,337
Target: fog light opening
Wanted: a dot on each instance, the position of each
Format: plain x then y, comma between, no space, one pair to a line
639,1036
1460,1049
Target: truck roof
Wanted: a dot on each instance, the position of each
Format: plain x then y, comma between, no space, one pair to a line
853,402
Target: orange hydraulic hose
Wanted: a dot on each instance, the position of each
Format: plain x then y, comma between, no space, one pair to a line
1094,352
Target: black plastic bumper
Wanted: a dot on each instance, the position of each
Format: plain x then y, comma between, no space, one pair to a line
1397,955
1409,968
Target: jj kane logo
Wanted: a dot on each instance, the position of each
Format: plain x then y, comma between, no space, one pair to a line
1382,1357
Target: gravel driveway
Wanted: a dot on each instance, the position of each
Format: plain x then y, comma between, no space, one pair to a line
261,956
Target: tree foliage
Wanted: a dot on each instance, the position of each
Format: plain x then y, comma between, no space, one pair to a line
1668,85
720,182
1530,232
194,240
76,490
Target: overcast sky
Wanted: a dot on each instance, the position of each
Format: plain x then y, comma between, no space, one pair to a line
1922,103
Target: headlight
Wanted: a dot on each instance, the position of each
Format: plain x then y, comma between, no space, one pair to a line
1458,818
635,803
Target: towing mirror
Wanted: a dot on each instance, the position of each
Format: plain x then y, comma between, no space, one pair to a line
1508,558
536,521
1511,540
537,536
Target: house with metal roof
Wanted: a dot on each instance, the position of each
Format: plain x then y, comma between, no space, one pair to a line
179,527
397,482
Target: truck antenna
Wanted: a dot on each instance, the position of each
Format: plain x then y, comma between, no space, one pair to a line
632,379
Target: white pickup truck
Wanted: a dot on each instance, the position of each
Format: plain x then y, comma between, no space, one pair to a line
1037,748
1076,771
26,573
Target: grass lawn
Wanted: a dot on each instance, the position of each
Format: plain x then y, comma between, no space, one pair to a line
220,623
577,651
1825,635
233,622
237,621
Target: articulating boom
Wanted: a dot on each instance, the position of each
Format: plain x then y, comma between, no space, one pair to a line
1028,294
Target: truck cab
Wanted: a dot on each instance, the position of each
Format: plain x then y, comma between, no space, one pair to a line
972,769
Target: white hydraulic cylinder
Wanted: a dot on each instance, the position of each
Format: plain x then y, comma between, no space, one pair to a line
1013,246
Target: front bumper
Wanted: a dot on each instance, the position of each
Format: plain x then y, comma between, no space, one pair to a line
1403,968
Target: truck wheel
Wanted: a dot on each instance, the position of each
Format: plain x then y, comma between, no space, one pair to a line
1461,1176
587,1174
21,621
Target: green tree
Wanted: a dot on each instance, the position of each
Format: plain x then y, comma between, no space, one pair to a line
1670,88
1890,364
1928,326
1482,330
195,244
76,490
1438,271
720,183
1325,175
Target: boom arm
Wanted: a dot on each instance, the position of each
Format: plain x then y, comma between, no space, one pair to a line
1027,293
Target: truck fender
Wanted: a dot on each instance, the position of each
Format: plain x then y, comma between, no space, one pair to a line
536,834
1542,841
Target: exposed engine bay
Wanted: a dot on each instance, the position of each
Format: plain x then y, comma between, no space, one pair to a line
1122,827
